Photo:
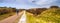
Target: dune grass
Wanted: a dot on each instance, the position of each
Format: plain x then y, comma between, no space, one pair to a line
48,16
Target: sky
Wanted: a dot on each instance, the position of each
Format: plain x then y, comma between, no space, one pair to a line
26,4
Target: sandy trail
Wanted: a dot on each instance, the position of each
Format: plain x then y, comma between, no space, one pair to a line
12,18
23,18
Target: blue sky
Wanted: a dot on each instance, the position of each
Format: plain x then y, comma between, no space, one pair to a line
25,4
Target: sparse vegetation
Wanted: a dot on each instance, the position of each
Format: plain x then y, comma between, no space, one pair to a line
51,15
36,11
6,12
54,7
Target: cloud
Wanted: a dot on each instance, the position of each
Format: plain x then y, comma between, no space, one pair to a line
7,1
44,2
21,1
1,1
29,3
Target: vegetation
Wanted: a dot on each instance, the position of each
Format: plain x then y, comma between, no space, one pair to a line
54,7
6,15
6,12
36,11
51,15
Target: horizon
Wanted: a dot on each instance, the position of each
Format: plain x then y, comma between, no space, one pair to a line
29,8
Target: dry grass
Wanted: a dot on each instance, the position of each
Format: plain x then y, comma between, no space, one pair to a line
6,15
48,16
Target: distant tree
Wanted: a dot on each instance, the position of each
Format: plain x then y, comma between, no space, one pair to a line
1,7
14,9
54,6
10,7
5,7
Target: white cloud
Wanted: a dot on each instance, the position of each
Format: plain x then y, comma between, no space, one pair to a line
44,2
21,1
30,1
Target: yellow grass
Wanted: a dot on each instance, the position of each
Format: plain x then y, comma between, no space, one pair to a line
48,16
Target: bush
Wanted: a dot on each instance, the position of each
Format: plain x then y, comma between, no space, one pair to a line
36,11
50,16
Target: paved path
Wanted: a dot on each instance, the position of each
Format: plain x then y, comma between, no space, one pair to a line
23,18
12,18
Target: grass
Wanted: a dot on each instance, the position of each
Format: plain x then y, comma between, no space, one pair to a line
51,15
48,16
6,15
31,18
